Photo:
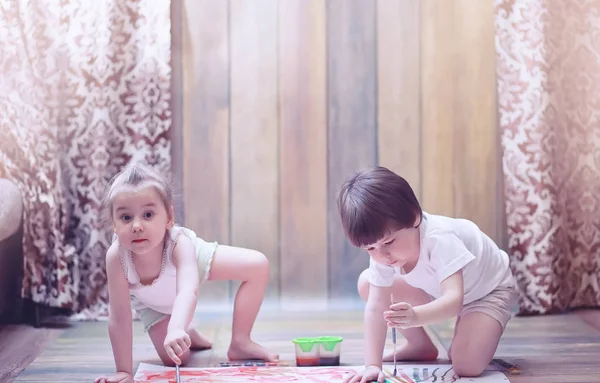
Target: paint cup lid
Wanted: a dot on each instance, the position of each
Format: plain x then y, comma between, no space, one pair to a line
306,344
329,342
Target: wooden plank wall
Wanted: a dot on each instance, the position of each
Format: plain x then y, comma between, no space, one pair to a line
303,152
282,100
352,123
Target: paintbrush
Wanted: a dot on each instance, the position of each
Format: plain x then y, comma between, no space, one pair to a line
177,376
394,341
389,378
512,369
394,337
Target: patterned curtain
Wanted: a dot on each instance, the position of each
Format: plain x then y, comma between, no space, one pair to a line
549,98
85,89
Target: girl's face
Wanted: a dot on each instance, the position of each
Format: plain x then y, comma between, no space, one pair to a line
140,219
397,248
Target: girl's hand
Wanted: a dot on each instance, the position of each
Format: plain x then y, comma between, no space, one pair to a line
176,342
120,377
402,315
368,375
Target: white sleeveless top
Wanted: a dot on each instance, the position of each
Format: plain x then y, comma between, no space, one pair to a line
160,294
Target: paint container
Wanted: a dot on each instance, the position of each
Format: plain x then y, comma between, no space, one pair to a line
329,350
307,351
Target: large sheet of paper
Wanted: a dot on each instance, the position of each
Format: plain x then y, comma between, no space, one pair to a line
437,373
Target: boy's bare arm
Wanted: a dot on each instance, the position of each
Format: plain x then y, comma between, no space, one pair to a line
447,306
120,321
375,324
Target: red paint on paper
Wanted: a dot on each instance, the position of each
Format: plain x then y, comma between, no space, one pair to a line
254,374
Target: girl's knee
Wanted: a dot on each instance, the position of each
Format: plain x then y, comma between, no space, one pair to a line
260,260
257,264
185,357
167,361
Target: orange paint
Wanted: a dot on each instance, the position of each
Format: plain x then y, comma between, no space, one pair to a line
304,361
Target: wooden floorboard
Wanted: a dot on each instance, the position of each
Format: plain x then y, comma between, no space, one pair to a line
590,316
553,348
19,346
560,348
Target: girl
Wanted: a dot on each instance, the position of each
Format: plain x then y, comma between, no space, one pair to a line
435,267
156,268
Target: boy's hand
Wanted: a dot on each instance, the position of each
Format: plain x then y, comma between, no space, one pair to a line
176,342
401,315
368,375
120,377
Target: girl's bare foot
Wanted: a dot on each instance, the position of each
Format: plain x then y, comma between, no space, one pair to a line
413,352
199,341
247,350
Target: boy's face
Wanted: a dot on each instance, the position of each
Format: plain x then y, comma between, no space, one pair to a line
396,248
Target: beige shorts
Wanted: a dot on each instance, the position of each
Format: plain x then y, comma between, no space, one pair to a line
498,305
204,255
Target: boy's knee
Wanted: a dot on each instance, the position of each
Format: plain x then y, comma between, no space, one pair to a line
467,367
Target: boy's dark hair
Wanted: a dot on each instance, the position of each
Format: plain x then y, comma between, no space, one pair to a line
373,201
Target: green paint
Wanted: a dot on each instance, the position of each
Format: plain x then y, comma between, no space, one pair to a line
329,342
306,344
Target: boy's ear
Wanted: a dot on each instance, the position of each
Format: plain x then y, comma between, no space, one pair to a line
417,222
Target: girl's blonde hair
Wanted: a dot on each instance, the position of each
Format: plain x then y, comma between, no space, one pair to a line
134,175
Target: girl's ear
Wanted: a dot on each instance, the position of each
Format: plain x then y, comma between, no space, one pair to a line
171,221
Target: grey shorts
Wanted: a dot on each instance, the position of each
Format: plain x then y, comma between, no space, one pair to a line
498,305
205,254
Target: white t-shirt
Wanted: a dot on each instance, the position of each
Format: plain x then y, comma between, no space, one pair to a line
448,245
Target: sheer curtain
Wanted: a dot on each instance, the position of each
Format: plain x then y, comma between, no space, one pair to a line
549,98
85,89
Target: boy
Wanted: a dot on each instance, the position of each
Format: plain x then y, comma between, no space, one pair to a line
435,267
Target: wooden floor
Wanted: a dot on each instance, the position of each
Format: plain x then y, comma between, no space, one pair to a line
19,346
561,348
